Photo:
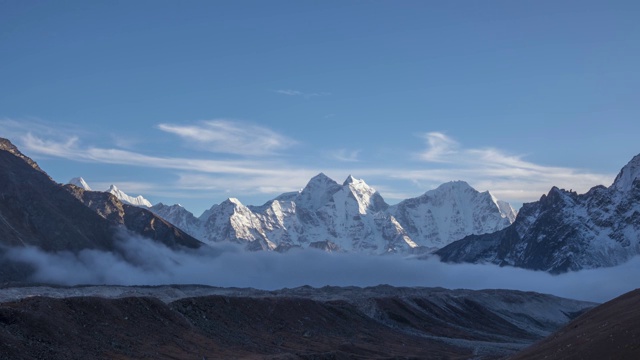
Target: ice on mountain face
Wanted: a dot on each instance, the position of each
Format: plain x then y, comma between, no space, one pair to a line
451,212
317,193
179,217
79,182
507,210
369,200
136,201
628,174
233,222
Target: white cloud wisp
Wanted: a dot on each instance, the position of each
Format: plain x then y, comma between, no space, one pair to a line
509,177
231,137
289,92
252,172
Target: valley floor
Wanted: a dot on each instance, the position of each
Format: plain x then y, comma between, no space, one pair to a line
199,322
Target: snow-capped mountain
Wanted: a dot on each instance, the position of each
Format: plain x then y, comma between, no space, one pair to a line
121,195
137,201
348,217
180,217
564,230
451,212
79,182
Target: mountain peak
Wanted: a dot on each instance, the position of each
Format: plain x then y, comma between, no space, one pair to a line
456,184
321,178
628,174
368,199
7,145
233,201
137,201
350,180
317,192
356,183
79,182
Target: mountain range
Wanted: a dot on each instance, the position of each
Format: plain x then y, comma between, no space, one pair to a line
351,217
348,217
564,231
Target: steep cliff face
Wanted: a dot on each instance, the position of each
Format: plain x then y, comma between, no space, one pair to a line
564,230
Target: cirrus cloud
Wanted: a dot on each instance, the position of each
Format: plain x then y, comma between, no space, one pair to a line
230,137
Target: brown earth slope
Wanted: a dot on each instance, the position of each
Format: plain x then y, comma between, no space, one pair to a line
303,323
203,328
609,331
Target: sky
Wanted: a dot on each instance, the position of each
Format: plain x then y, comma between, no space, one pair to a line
194,102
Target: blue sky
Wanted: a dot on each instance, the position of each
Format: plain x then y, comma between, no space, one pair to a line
193,102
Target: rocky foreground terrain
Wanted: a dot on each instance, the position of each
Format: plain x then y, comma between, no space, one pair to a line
198,322
609,331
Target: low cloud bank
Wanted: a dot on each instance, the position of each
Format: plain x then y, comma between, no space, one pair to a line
144,262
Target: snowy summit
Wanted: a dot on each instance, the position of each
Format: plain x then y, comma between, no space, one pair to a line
137,201
79,182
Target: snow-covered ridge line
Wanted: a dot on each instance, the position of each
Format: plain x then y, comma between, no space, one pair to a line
121,195
137,201
351,217
79,182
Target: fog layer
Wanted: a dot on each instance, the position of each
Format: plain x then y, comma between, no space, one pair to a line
143,262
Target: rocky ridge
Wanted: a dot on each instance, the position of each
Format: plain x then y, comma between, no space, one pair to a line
565,231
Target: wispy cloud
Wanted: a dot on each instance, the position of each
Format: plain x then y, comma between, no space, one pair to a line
235,177
13,128
274,183
508,176
345,155
290,92
231,137
441,147
71,150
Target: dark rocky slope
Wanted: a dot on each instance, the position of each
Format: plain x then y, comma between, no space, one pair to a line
36,211
564,231
136,219
609,331
304,323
